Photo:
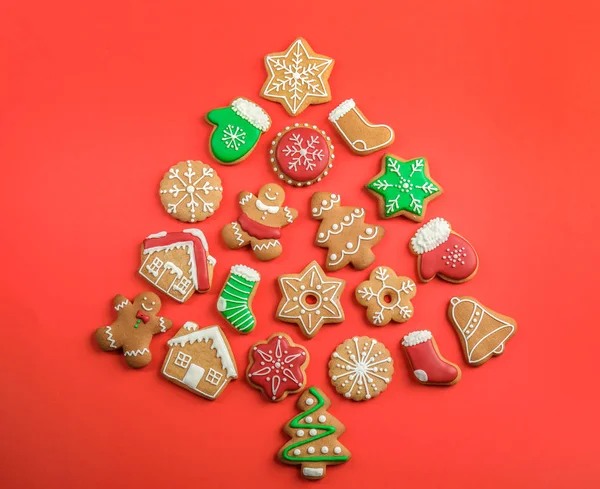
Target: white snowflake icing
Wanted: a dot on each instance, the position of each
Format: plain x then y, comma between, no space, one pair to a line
303,153
361,368
233,137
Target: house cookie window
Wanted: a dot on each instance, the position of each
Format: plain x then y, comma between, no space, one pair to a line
213,377
183,285
154,267
182,360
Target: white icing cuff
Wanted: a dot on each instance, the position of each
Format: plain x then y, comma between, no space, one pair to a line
254,114
416,338
341,110
430,236
246,272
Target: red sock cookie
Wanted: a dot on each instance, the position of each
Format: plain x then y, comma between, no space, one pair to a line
426,361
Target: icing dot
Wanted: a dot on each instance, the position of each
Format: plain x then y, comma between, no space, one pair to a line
321,235
315,210
300,433
333,196
311,450
346,218
334,227
324,449
333,256
297,452
349,245
323,202
322,419
337,450
308,419
310,401
369,231
312,432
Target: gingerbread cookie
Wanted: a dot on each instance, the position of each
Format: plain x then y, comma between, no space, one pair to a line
191,191
310,299
444,253
235,301
302,155
277,367
314,436
259,225
363,137
481,330
297,77
200,360
386,297
426,361
237,130
404,188
344,233
134,327
361,368
177,263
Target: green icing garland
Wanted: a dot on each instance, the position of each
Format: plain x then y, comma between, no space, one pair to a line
329,430
404,186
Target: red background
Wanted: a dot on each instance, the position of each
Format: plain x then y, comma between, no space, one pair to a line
99,99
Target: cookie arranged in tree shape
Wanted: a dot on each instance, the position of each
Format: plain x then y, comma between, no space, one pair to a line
277,367
386,296
134,327
444,253
297,77
481,330
310,299
301,155
178,263
235,301
404,188
361,368
237,130
363,137
344,233
200,360
427,363
260,222
314,436
191,191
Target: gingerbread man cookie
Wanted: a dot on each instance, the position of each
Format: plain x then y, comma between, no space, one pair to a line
134,327
344,232
259,225
386,297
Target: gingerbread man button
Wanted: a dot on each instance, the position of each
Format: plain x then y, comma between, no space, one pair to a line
260,222
134,327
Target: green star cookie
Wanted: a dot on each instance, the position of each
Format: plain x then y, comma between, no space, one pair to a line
404,188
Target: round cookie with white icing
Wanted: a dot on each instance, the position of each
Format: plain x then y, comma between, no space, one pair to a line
301,155
361,368
191,191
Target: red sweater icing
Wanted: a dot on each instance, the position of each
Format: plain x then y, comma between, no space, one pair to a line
258,230
302,154
455,259
200,254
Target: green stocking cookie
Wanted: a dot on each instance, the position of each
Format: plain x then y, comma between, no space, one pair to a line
235,301
237,129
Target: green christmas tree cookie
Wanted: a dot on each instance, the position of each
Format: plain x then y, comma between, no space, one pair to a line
404,188
237,129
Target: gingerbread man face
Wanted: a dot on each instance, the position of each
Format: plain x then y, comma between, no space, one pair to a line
271,194
323,202
148,302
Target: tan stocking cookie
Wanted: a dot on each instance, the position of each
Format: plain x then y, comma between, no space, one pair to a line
344,233
386,296
482,331
134,327
260,222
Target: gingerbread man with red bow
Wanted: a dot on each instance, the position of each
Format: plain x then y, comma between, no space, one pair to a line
134,327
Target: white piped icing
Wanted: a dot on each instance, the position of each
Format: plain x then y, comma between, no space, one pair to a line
246,272
253,113
341,110
326,205
162,234
416,338
430,236
190,326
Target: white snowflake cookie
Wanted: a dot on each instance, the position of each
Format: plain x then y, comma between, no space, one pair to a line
361,368
191,191
386,297
301,155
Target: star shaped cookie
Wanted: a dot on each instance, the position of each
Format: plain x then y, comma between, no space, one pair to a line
297,77
404,188
310,299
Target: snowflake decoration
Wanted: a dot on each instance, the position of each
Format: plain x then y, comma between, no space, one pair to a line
301,154
386,296
196,193
361,368
405,187
233,137
296,77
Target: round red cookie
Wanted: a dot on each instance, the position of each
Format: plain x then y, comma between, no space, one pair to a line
301,154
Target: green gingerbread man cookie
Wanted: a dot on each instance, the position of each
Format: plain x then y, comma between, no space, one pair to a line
237,129
404,188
